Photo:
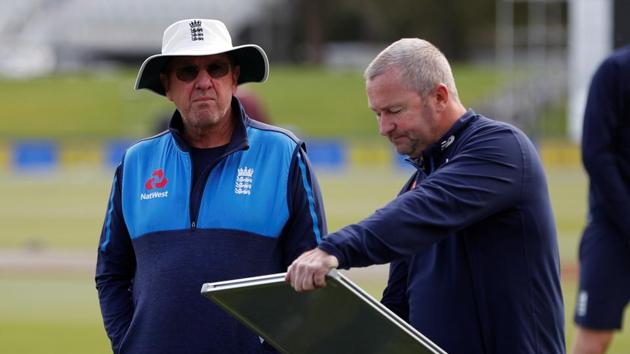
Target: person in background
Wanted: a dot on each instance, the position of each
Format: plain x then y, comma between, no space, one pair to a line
217,196
604,289
252,104
471,238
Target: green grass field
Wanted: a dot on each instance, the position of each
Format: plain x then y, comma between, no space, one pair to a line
101,105
50,311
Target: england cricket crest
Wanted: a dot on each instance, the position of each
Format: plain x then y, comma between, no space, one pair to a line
196,31
244,180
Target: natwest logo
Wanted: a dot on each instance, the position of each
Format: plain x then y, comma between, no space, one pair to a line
156,181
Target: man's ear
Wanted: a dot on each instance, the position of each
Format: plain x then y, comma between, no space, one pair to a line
164,81
236,73
441,95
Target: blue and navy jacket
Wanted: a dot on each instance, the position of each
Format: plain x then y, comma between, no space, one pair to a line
251,213
472,245
606,143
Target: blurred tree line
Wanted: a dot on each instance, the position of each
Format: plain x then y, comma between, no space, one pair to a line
461,29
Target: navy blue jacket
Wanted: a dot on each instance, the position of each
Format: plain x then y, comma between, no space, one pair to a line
606,142
251,213
472,241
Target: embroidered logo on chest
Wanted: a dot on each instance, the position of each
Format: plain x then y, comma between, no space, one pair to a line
155,186
244,180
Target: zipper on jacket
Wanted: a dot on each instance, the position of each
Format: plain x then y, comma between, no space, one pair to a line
197,190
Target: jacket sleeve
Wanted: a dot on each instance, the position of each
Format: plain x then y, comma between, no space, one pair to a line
307,220
395,294
115,268
601,120
482,178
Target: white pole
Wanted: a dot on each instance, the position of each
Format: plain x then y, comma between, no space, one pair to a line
590,40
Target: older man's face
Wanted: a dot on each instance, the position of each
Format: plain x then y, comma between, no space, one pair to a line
201,88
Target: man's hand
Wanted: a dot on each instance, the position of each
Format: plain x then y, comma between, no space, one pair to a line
308,271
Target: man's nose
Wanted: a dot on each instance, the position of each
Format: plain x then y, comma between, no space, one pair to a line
385,125
203,80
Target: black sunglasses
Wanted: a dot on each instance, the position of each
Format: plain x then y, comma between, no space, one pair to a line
188,73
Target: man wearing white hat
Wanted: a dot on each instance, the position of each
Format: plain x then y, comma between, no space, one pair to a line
217,196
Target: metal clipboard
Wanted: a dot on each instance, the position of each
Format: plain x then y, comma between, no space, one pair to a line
340,318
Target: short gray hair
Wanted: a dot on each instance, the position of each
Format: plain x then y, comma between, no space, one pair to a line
422,66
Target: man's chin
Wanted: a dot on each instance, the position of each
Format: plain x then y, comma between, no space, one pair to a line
208,116
402,150
408,153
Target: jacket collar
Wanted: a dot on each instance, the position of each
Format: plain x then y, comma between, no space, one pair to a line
451,135
439,148
238,141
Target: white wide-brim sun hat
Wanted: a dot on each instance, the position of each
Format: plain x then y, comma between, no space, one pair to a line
199,37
